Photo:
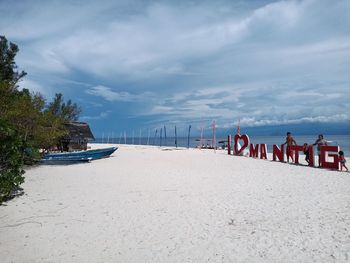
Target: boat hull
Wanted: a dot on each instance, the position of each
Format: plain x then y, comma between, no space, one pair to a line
51,161
89,154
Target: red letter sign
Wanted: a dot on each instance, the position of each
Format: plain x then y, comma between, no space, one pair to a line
296,149
254,151
311,156
245,139
279,153
263,151
324,162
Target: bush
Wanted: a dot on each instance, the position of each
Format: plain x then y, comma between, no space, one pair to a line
11,160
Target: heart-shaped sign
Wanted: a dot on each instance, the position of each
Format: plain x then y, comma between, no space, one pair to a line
245,144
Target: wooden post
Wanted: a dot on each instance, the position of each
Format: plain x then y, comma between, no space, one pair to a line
229,144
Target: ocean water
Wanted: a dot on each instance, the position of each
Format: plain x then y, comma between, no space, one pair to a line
343,141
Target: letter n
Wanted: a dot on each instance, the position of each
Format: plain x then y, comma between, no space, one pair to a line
279,153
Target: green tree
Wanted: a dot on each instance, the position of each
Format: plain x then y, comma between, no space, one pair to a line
8,67
40,128
67,111
11,160
27,123
11,147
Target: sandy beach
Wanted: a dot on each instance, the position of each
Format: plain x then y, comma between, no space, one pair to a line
151,204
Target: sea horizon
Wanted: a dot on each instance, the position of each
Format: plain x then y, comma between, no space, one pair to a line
343,141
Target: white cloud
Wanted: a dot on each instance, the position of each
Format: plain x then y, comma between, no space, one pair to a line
273,63
269,106
110,95
33,86
102,115
251,122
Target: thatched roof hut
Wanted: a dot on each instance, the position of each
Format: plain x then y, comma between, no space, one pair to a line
79,130
79,134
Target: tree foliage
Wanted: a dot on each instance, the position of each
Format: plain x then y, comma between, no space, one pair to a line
8,67
11,160
27,112
66,111
27,122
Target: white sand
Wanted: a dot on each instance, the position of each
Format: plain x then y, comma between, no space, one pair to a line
149,205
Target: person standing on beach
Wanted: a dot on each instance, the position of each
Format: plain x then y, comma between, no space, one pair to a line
320,142
342,161
289,141
306,152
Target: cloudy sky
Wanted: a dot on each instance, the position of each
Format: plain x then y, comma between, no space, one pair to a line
143,64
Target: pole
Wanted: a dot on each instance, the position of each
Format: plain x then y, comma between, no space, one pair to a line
201,140
175,137
140,138
164,135
214,135
188,137
160,135
149,133
155,137
229,144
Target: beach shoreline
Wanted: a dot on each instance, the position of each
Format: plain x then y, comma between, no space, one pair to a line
152,204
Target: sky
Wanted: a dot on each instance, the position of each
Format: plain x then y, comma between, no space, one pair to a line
135,65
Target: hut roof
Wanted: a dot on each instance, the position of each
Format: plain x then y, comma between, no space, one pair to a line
79,130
